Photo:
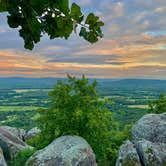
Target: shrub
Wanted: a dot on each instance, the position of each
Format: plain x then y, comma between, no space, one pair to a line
158,106
36,142
22,157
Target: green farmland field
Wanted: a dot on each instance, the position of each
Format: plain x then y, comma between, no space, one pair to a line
20,98
18,108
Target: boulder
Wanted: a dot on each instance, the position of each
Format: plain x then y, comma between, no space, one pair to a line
11,144
20,133
151,154
151,127
149,139
2,159
128,155
32,133
64,151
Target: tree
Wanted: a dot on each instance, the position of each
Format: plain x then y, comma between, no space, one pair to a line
76,109
158,106
53,17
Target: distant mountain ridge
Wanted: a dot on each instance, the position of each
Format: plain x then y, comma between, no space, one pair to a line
48,83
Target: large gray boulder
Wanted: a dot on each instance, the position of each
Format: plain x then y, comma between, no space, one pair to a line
151,127
128,155
11,144
32,133
149,140
151,154
20,133
2,159
64,151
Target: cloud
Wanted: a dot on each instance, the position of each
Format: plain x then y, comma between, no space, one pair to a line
133,45
2,30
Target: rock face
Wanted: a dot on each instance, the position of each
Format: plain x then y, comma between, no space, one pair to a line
152,154
32,133
20,133
149,138
64,151
151,127
128,155
2,159
11,144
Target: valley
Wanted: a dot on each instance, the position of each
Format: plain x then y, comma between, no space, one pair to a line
20,98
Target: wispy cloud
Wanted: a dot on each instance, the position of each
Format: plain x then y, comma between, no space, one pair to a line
134,45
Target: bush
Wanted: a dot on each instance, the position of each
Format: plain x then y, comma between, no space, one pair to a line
22,157
36,142
158,106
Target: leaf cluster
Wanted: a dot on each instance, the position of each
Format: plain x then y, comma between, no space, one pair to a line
56,18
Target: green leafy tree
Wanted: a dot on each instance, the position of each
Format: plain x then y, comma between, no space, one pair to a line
53,17
158,106
76,109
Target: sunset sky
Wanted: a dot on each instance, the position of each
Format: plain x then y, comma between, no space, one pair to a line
134,45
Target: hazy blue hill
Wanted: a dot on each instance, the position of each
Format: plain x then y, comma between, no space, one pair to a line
32,83
133,85
24,83
103,84
139,82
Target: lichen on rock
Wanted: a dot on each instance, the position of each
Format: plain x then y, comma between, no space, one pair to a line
64,151
128,155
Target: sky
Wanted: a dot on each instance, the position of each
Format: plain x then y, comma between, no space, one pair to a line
133,46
